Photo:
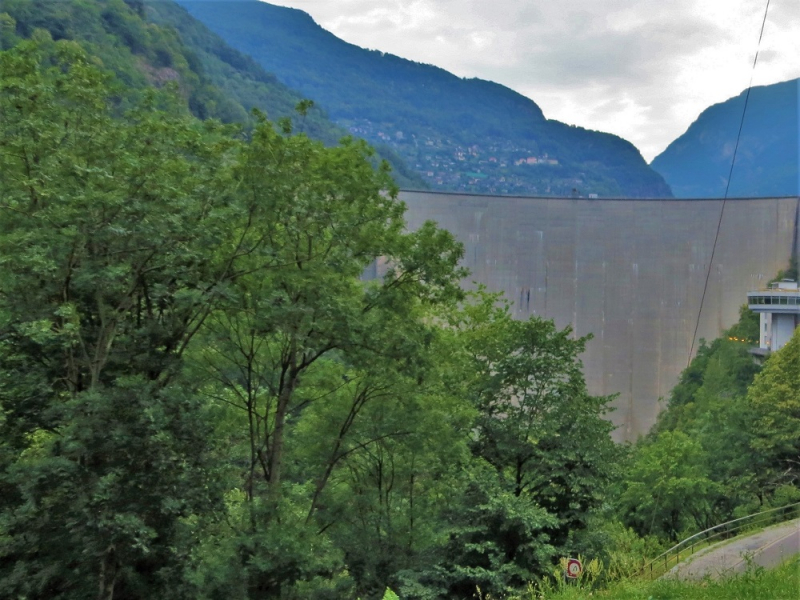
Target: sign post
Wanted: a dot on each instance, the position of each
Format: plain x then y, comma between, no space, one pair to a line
574,568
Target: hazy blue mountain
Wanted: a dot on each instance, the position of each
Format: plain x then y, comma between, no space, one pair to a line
698,163
460,134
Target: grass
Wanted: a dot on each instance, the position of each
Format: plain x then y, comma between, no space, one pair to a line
782,583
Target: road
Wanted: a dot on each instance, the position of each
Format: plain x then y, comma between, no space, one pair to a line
767,548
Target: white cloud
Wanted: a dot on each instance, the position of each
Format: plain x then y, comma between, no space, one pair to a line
643,70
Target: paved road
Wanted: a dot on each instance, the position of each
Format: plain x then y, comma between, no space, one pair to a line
767,548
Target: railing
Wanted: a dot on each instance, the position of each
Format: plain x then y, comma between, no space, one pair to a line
665,561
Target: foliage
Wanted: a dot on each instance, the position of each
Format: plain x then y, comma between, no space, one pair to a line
775,401
726,445
131,236
700,443
103,224
722,370
666,483
619,548
538,426
542,452
321,369
228,371
498,541
203,397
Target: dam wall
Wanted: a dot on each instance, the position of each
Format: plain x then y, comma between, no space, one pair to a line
629,272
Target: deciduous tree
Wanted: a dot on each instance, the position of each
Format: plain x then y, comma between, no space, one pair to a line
775,401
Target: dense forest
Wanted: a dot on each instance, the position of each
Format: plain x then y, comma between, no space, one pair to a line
202,396
458,134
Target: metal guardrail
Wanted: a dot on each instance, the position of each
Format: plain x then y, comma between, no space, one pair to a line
705,538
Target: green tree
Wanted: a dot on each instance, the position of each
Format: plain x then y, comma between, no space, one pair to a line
542,451
302,333
496,541
399,464
130,235
538,425
8,33
721,371
105,227
708,404
775,400
666,489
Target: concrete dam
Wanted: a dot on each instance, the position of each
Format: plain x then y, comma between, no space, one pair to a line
630,272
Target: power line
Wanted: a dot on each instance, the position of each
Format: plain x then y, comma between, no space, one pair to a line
728,184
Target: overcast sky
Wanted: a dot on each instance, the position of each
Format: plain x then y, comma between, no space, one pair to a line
642,69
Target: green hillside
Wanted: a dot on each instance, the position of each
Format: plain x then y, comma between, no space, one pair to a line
698,163
158,44
459,134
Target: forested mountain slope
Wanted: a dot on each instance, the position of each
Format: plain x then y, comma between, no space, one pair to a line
155,44
698,163
460,134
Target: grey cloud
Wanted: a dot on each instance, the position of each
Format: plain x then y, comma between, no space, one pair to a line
641,69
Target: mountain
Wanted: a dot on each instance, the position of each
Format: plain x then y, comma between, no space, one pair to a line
460,134
698,163
158,43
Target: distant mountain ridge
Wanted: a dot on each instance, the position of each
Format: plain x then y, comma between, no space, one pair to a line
459,134
697,164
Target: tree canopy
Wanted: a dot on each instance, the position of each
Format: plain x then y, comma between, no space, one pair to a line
206,394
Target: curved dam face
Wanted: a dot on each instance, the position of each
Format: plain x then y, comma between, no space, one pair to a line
630,272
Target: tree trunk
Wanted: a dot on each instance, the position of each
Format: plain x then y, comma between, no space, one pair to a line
276,455
108,575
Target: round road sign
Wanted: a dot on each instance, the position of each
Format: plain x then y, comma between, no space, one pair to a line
574,568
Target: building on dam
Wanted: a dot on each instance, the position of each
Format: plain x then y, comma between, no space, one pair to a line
629,272
778,307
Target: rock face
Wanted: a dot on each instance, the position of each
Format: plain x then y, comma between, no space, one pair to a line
630,272
698,163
